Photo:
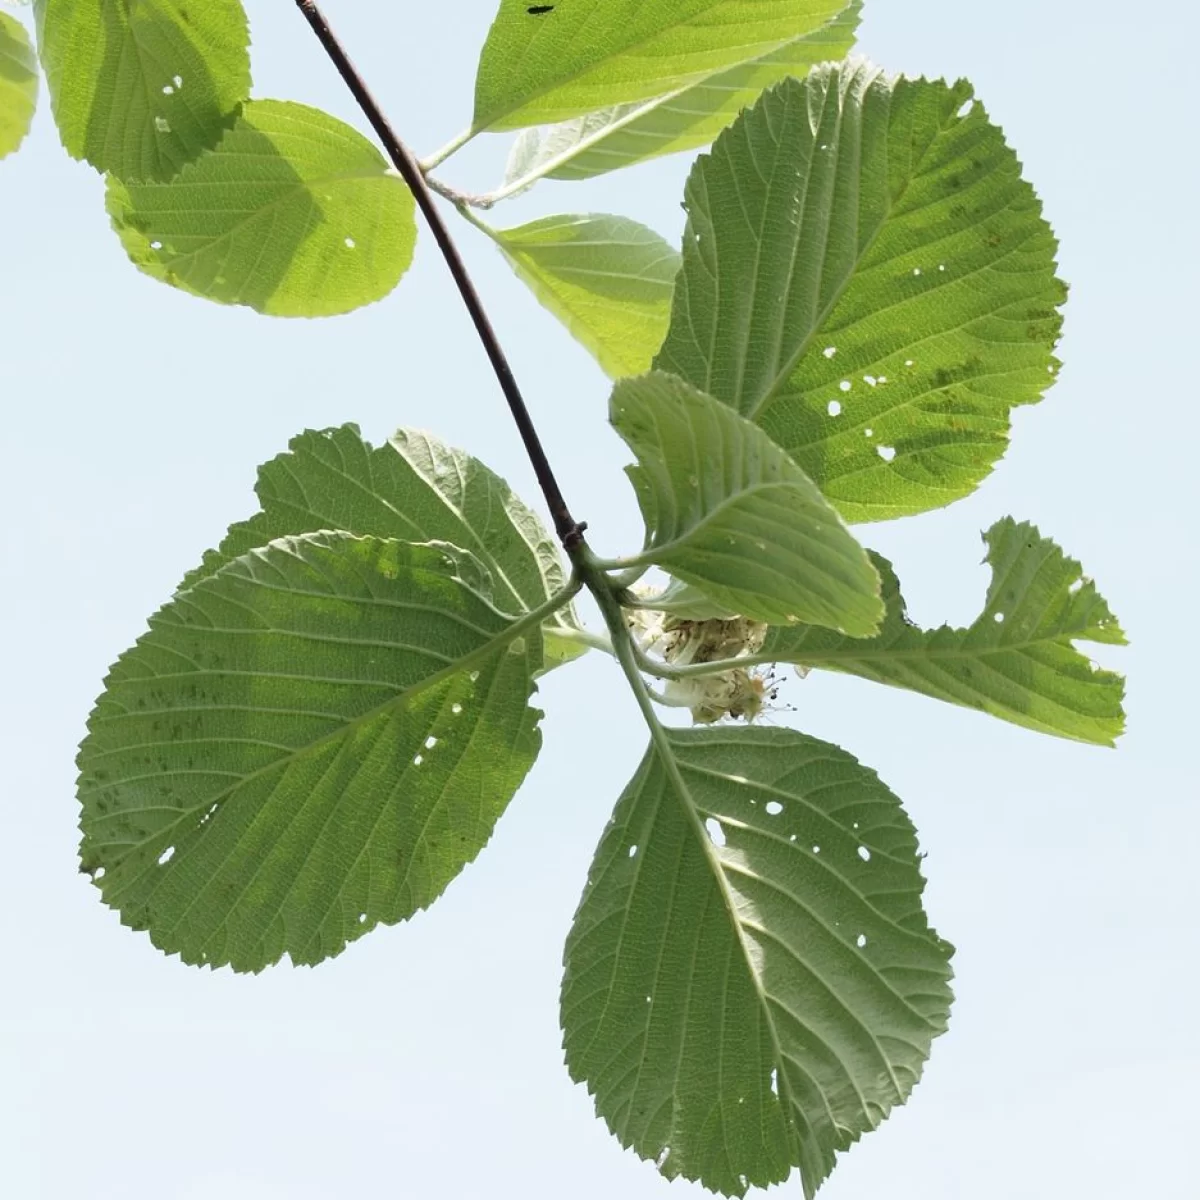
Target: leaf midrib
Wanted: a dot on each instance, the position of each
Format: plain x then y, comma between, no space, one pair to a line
674,770
639,109
303,188
666,752
852,272
632,48
681,536
307,510
159,150
475,657
919,653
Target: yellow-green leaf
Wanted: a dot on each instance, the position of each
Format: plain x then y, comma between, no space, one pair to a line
546,63
140,87
727,511
608,279
867,277
294,214
18,84
688,117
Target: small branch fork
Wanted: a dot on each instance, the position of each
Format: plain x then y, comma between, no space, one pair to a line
570,531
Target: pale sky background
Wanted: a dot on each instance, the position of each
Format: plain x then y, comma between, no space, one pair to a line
426,1061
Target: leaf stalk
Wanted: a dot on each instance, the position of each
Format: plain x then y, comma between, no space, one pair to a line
718,666
450,148
624,649
585,637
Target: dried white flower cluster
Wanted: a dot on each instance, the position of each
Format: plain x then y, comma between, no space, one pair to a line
740,693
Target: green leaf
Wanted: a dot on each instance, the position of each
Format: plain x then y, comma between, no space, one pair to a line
294,214
310,742
866,276
681,120
538,68
753,998
140,87
18,86
728,511
414,488
1017,661
609,280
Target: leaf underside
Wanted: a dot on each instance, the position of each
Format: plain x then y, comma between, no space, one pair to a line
310,742
18,87
748,1000
538,68
626,134
867,277
608,279
414,488
294,214
141,87
1017,661
728,511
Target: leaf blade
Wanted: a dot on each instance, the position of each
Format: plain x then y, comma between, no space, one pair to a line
293,214
900,295
608,279
322,695
18,84
168,76
413,488
540,68
1016,661
627,134
699,974
727,511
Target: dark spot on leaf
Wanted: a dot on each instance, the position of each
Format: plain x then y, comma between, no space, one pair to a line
539,10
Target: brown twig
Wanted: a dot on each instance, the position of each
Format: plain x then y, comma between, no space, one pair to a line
570,531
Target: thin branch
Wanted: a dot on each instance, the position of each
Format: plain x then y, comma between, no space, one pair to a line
570,531
460,200
452,147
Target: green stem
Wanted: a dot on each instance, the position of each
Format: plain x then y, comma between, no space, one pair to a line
451,147
623,647
640,563
624,580
490,199
585,637
556,603
695,670
665,701
471,219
